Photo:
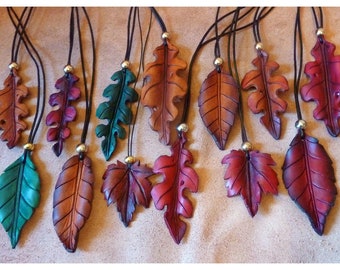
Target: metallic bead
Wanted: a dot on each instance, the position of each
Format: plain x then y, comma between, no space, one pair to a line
246,146
81,148
320,32
165,35
301,124
130,160
218,61
125,64
29,146
183,127
259,46
13,65
68,69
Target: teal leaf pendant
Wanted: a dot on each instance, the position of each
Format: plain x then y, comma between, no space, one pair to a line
19,195
116,110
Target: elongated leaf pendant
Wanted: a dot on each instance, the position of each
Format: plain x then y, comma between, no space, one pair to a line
116,110
72,200
12,110
178,176
309,177
324,85
19,195
64,114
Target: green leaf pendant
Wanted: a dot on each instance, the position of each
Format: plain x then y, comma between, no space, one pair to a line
19,195
116,110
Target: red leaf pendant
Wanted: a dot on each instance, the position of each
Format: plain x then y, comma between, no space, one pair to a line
249,174
178,176
127,185
324,85
218,103
12,110
309,177
265,99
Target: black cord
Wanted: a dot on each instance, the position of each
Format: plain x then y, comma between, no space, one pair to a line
217,42
41,93
318,21
130,32
159,19
71,36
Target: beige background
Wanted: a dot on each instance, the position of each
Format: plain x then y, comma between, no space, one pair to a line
221,229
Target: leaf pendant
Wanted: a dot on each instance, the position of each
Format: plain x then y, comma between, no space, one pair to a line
177,176
309,177
265,98
324,85
65,113
163,88
116,110
218,103
249,174
12,110
19,195
72,200
127,185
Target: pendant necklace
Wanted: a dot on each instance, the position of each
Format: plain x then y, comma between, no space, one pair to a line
20,182
73,194
308,174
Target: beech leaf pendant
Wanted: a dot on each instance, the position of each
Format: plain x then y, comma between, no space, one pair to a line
249,174
309,177
324,85
265,98
177,177
116,110
72,200
163,88
19,195
218,104
12,110
64,113
127,185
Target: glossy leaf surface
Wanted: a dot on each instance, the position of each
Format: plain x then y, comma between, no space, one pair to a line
72,200
12,110
127,185
265,98
116,110
308,175
19,195
163,88
250,176
177,177
64,113
218,103
324,85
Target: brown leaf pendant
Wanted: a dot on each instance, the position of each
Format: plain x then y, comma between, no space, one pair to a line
72,200
163,88
265,99
12,110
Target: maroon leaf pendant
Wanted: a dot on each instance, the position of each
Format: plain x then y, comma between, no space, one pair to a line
249,174
308,175
324,85
127,185
178,176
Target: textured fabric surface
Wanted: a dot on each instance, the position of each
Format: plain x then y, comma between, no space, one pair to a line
221,230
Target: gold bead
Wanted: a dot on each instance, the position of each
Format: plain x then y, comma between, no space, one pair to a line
320,32
125,64
183,127
218,61
29,146
13,65
246,146
301,124
81,148
68,69
165,35
130,160
259,46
